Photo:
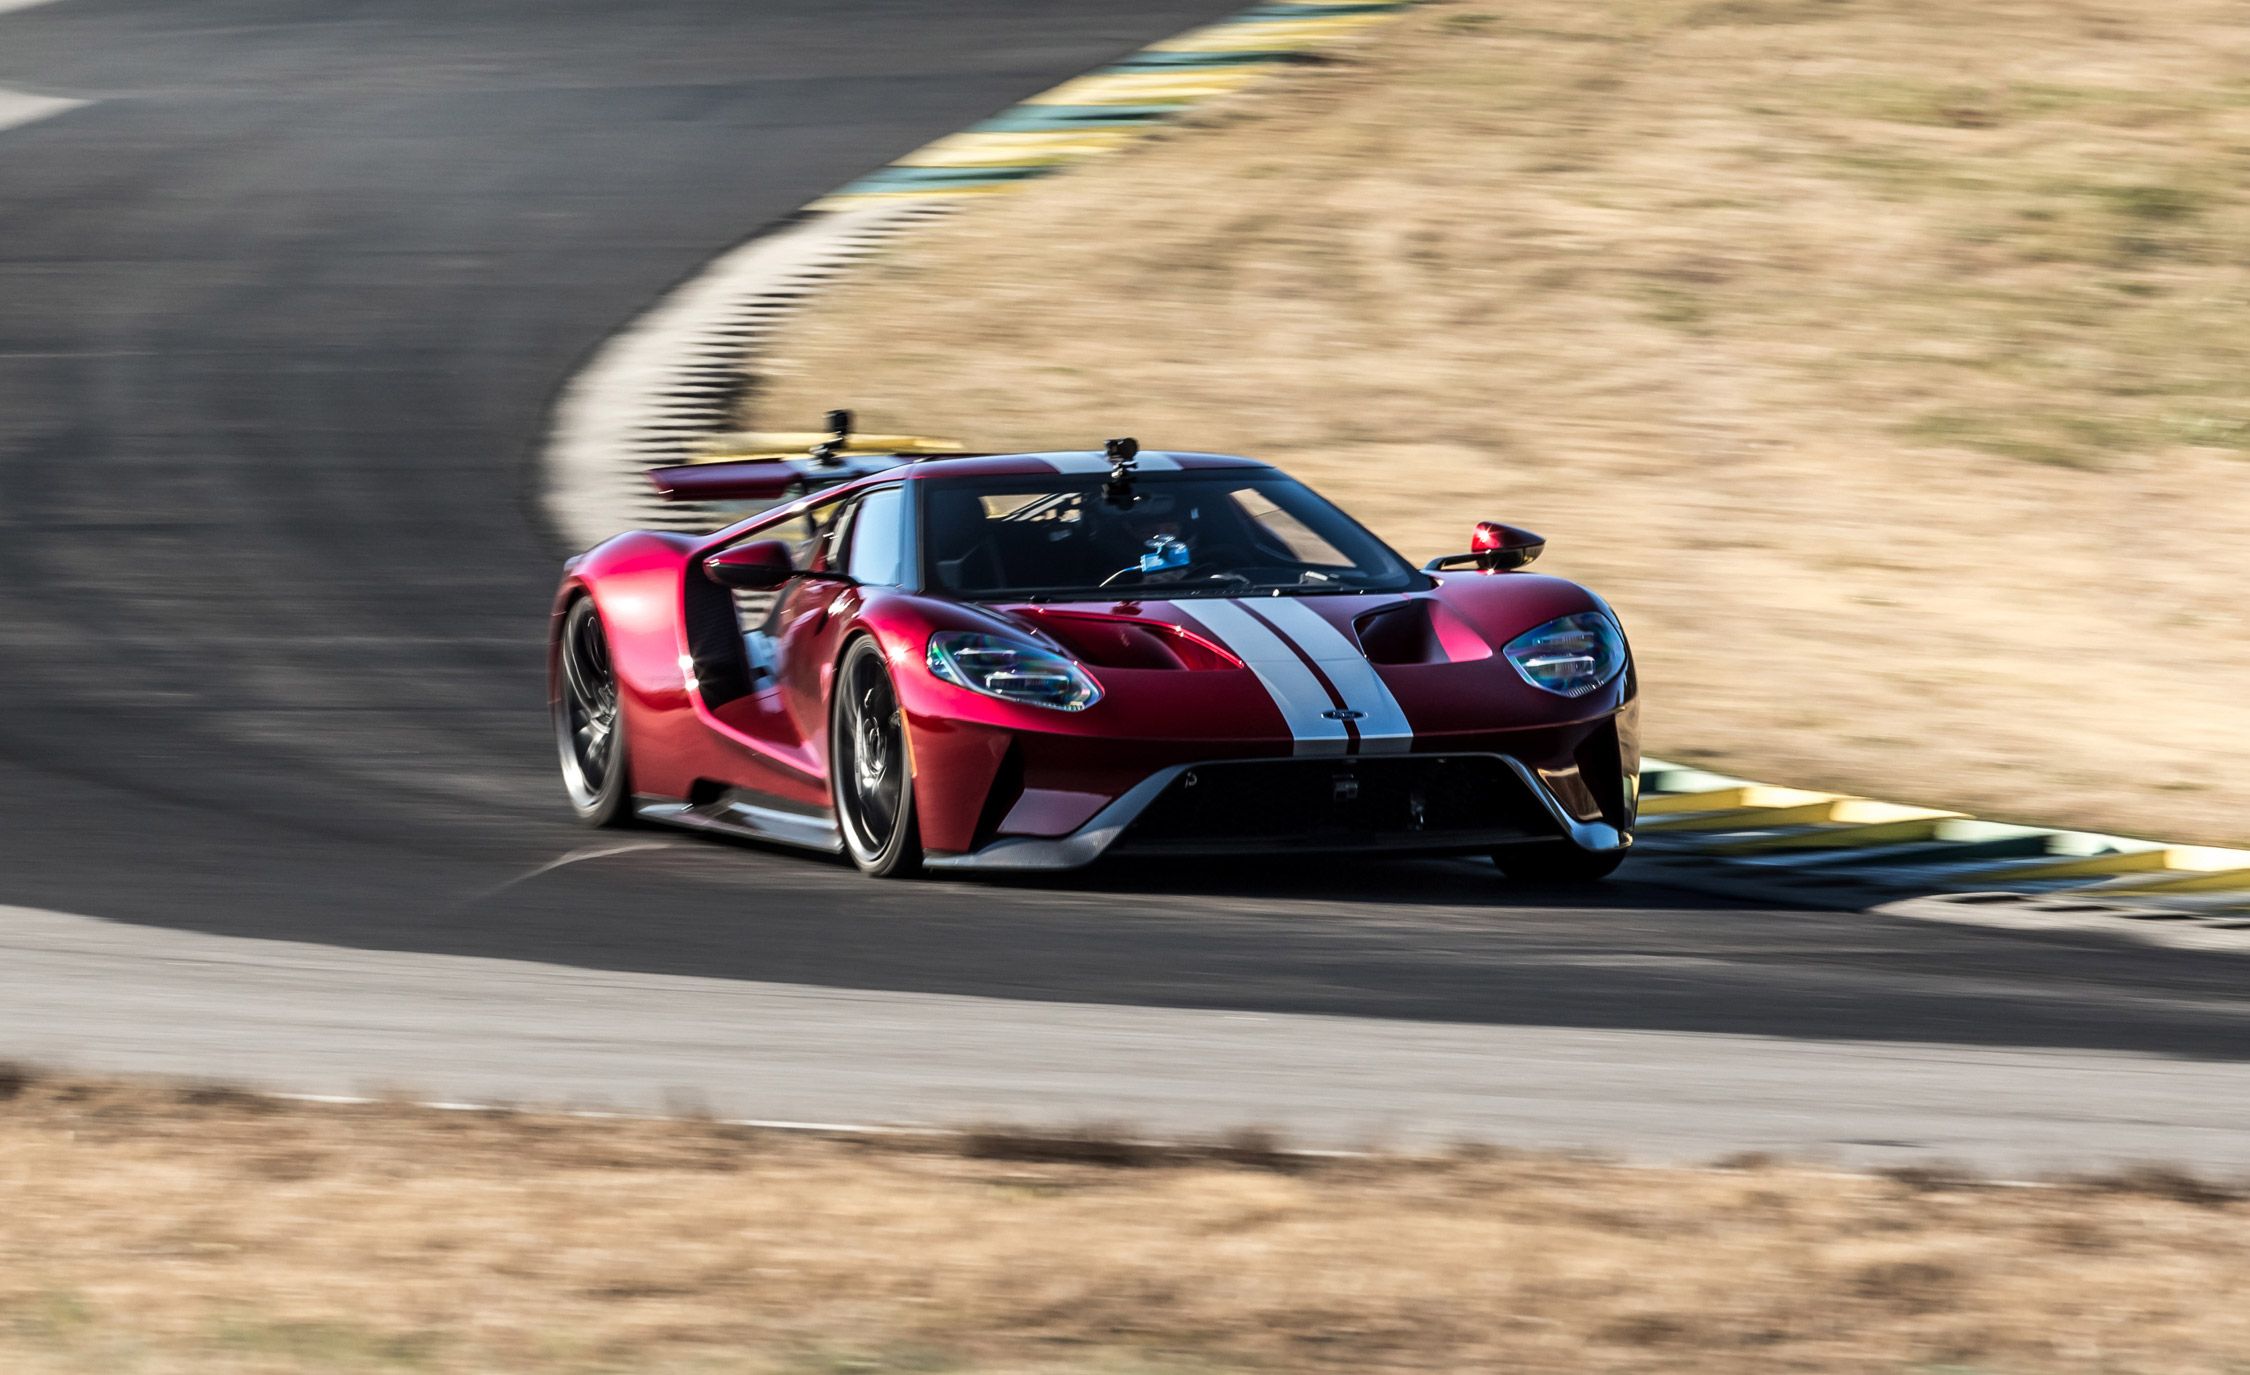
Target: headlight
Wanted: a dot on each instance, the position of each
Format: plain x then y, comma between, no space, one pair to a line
1569,655
1012,670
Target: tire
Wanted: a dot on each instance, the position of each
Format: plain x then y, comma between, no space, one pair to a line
1557,861
590,721
869,774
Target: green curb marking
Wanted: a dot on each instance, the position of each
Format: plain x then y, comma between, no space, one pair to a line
900,178
1036,118
1156,61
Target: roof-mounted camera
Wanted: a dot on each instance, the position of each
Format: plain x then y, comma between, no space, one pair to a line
1120,453
830,451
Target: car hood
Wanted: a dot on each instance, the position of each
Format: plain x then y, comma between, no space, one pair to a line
1369,672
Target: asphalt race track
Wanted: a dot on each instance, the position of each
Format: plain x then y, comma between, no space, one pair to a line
281,312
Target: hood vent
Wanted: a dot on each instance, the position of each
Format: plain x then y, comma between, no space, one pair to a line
1420,631
1103,641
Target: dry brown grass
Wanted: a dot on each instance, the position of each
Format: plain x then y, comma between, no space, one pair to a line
146,1230
1883,359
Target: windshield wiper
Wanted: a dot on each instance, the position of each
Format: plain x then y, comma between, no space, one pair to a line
1303,589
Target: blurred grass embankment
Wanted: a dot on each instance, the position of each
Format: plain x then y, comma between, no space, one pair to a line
1882,360
155,1230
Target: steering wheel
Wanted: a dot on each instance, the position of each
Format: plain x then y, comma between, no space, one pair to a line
1219,575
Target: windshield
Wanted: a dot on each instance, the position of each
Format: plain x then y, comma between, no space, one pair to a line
1222,533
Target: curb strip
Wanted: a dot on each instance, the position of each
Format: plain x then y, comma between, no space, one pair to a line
1120,104
1749,839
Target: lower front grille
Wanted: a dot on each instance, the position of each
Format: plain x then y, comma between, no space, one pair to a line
1422,802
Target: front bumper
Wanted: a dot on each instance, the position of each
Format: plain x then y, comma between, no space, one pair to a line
1464,802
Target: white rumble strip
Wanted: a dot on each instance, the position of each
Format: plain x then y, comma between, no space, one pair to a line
672,378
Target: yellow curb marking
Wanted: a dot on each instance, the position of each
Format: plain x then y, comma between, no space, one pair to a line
1843,837
1729,799
1021,149
2154,860
1819,811
1151,88
1273,35
856,199
2218,881
729,448
1184,85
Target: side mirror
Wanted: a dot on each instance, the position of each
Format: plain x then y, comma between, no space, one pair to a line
759,566
1494,548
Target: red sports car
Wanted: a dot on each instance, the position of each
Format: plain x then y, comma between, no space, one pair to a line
1030,661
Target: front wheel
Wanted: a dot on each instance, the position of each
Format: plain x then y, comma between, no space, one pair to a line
589,721
868,771
1557,861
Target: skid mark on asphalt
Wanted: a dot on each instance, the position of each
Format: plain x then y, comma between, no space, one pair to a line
22,107
574,857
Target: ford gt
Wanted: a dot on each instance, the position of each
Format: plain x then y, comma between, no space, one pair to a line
1031,661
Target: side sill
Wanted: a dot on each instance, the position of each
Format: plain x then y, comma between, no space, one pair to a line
741,816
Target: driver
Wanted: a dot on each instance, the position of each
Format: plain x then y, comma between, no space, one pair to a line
1157,533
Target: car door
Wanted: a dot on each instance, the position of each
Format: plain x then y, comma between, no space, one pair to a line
865,543
764,750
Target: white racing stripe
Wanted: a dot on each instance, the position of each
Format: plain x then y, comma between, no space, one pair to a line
1383,729
1302,700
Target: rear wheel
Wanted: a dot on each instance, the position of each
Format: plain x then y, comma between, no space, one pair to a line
868,771
1557,862
589,723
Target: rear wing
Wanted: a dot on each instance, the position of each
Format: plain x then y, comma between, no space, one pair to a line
765,466
767,477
